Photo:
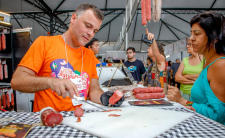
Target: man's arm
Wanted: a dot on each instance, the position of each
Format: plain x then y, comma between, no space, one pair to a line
25,80
95,91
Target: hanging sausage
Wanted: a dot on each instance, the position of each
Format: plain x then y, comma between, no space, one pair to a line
6,71
12,99
143,13
3,42
0,43
4,101
0,102
148,10
1,72
156,9
8,100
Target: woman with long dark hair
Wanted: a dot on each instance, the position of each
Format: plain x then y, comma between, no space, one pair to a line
156,75
208,91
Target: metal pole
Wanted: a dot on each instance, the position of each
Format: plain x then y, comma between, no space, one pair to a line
51,24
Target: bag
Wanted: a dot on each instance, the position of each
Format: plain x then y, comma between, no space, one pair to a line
171,75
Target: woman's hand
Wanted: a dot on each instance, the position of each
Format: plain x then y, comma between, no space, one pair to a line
174,95
141,82
191,108
150,36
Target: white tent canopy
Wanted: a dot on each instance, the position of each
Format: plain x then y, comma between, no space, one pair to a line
173,25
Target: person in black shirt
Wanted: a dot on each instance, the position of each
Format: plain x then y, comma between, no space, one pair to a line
174,69
135,66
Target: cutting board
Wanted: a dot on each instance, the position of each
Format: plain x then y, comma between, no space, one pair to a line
135,121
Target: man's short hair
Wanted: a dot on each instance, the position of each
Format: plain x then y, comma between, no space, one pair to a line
131,48
90,43
177,59
86,6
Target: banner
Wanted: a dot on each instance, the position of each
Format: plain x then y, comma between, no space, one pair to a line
176,48
182,45
170,48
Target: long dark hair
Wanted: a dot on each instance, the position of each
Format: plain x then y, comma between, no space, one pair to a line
214,26
90,43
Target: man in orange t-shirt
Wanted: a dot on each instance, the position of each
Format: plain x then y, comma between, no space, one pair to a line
93,45
53,61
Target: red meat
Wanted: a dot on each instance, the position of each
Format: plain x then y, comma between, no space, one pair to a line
4,101
78,112
12,99
50,117
148,10
114,115
143,13
148,90
144,96
8,101
117,95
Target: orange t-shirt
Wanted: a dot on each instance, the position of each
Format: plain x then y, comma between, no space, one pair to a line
47,57
97,61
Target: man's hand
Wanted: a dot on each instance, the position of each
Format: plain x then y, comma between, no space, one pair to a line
174,95
60,86
105,99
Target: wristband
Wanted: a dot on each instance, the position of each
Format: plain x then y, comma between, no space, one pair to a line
189,103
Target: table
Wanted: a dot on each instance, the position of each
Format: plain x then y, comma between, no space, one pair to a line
197,126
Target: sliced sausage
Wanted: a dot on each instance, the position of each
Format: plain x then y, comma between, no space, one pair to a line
112,110
78,119
114,115
78,112
144,96
117,95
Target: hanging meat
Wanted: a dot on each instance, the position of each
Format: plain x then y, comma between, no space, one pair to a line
12,99
0,43
156,9
6,71
143,13
0,102
1,72
148,10
8,100
3,42
3,101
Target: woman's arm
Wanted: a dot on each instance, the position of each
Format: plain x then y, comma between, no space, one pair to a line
179,76
155,51
191,76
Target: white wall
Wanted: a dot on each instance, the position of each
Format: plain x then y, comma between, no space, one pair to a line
23,101
173,57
